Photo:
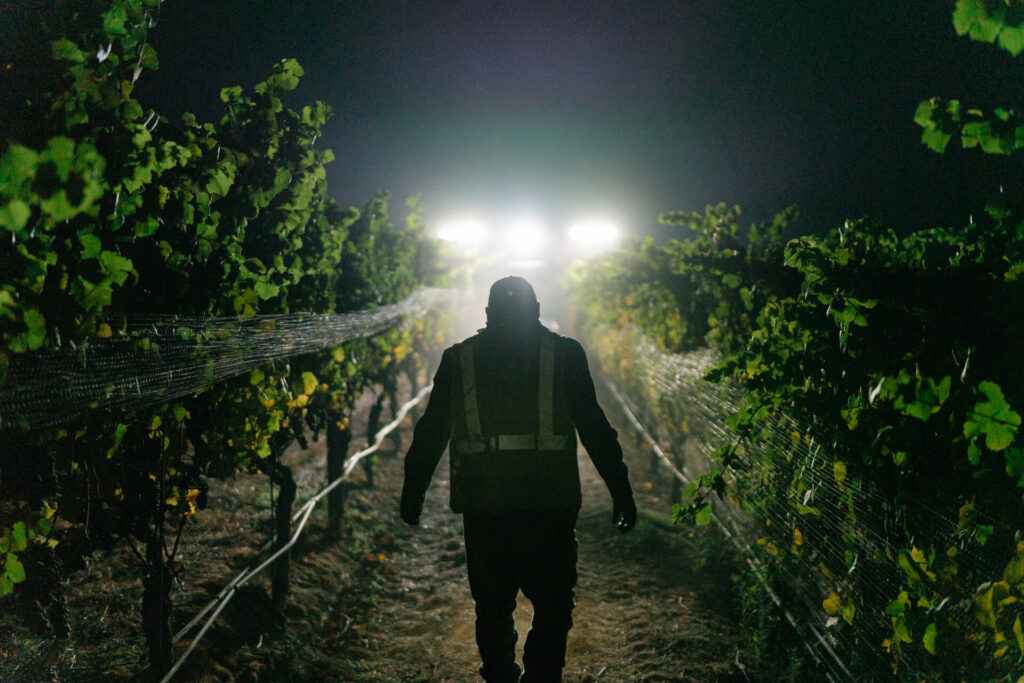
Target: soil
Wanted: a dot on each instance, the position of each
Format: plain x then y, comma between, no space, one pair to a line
390,603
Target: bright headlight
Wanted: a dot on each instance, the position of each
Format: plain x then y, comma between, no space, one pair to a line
594,234
465,232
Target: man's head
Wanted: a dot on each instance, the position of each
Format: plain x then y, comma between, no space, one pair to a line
512,304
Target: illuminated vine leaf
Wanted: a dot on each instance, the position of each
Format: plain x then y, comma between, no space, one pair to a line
993,418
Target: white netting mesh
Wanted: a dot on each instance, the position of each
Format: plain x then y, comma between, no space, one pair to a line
159,358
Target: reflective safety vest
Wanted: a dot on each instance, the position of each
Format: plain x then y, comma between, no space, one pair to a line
532,471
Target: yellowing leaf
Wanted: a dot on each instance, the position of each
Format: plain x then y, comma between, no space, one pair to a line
839,471
849,612
831,604
104,331
309,383
338,355
917,555
798,537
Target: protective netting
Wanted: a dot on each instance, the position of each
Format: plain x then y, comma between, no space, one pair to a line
158,358
854,525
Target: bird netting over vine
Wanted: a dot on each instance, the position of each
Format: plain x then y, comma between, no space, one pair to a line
155,358
827,518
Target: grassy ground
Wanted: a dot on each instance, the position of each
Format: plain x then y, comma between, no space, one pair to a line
391,603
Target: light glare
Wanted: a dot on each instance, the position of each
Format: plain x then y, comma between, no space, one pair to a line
525,237
595,233
466,232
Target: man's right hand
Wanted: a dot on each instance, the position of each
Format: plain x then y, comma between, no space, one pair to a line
410,509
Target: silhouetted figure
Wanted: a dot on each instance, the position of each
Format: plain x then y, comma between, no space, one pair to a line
511,400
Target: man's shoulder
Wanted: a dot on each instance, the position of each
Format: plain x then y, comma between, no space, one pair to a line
457,347
459,344
565,343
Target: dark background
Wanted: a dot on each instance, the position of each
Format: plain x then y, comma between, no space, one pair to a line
629,108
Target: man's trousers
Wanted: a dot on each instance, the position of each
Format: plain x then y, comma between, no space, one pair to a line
535,553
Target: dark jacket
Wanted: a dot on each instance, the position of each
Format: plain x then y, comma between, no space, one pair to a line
507,381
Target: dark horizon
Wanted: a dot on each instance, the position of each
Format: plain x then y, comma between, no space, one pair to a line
581,107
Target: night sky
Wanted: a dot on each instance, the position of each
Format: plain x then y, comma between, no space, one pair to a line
628,108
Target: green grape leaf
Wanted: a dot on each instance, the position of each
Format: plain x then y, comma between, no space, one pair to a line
148,57
61,151
924,114
1015,464
44,526
15,215
219,183
114,20
703,516
936,139
132,110
966,14
994,418
66,51
14,569
928,639
18,165
19,539
92,296
973,453
266,290
229,94
36,326
147,227
116,266
57,206
91,245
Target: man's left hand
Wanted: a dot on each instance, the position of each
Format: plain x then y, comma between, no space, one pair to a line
624,514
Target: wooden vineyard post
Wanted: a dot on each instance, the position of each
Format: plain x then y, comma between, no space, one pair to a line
281,475
156,589
372,425
339,436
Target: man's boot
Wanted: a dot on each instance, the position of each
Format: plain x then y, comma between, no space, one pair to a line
506,674
547,676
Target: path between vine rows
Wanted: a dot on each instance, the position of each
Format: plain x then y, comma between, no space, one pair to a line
391,603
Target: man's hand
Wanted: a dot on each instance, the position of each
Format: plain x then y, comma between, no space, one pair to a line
624,514
410,508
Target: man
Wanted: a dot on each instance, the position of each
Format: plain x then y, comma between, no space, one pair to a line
512,398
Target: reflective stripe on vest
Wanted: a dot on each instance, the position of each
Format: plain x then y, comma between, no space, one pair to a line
474,441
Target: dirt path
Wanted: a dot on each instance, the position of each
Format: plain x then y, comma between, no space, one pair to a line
644,612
